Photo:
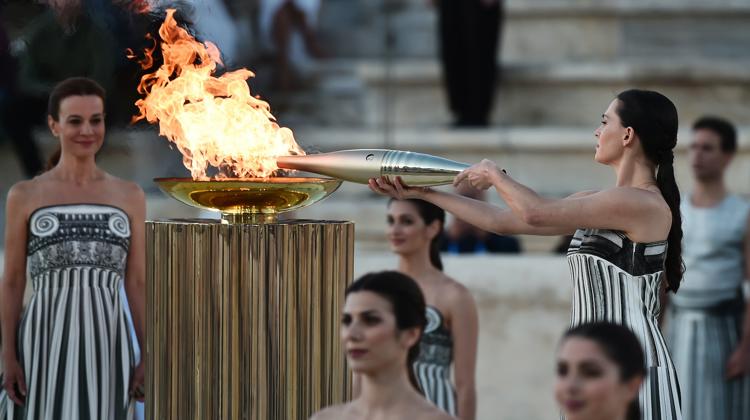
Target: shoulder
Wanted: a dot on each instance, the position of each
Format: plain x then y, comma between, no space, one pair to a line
130,196
582,194
433,413
456,294
22,195
333,412
125,186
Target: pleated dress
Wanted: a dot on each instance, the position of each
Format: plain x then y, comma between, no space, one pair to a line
73,342
618,280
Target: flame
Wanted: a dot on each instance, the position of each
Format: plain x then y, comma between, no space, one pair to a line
213,121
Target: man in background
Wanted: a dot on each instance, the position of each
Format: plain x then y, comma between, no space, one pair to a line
708,326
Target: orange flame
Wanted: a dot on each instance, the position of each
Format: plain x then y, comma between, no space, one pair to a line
213,121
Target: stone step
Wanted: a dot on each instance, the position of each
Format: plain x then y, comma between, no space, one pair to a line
409,92
549,30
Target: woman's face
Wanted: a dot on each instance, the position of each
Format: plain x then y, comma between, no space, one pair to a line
407,232
80,125
588,383
370,335
610,136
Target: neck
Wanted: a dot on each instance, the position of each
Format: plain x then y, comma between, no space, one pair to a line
417,265
707,193
385,389
80,171
634,172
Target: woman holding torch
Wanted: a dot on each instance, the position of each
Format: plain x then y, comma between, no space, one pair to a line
626,246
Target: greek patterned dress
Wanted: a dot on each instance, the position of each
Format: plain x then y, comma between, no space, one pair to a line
432,367
74,343
706,315
617,280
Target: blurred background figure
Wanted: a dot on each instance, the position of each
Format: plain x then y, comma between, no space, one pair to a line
62,42
383,320
600,368
463,238
708,326
287,29
213,22
469,32
450,338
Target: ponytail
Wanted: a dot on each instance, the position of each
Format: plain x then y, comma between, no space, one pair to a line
634,410
54,159
435,259
673,266
653,117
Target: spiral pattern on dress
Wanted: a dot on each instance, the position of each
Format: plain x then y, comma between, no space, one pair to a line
44,224
433,320
119,225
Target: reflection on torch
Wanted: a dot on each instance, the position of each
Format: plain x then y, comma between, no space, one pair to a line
359,165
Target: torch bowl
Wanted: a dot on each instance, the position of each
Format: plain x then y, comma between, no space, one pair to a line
249,200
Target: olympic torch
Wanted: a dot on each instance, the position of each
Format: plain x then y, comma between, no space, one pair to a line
359,165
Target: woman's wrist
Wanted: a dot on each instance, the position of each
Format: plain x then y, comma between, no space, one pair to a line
498,175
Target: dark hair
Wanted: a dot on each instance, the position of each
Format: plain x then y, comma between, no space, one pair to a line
723,128
73,86
429,213
408,304
653,117
620,346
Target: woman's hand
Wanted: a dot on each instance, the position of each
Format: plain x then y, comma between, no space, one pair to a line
137,386
397,189
480,175
14,382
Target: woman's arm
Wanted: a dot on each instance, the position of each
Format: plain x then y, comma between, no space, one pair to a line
465,330
639,213
135,282
135,274
479,213
12,288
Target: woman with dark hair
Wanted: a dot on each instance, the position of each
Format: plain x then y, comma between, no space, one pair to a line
626,245
78,233
383,320
414,231
600,367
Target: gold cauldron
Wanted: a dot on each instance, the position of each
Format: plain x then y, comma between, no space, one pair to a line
249,200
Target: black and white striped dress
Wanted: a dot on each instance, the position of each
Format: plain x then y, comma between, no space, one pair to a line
617,280
74,341
432,368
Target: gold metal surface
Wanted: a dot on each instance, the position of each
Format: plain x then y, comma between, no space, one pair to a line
359,165
243,320
249,200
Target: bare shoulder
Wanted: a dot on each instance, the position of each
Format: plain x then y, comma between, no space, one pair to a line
456,292
330,413
22,196
125,186
582,194
432,413
129,195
